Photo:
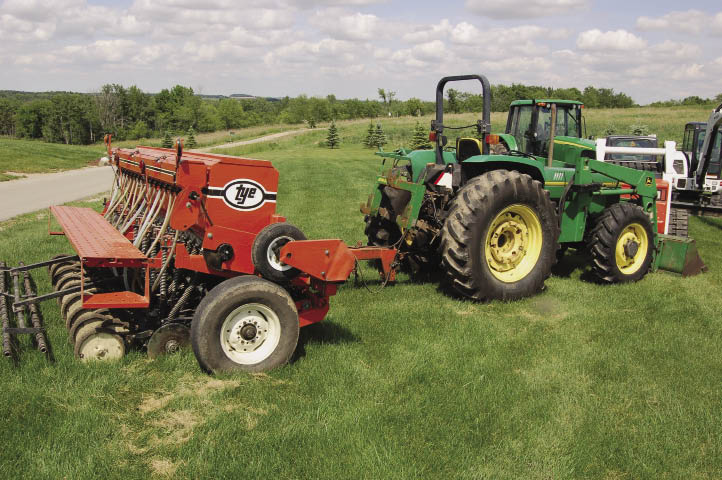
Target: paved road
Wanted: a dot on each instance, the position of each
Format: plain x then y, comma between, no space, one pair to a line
42,190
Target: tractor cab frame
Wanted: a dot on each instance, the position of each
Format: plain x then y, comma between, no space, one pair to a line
530,123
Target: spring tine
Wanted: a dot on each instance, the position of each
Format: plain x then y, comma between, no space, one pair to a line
4,316
35,314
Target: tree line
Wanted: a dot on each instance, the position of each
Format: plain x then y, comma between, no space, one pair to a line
130,113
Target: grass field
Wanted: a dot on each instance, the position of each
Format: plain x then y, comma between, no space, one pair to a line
32,156
582,381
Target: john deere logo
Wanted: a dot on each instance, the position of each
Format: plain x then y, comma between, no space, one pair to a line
649,181
244,194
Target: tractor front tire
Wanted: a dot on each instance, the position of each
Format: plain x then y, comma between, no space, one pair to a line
500,239
245,323
622,243
266,251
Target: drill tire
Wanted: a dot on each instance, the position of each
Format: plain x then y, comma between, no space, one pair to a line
269,242
225,307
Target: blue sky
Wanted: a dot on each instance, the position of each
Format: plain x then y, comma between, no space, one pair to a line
649,50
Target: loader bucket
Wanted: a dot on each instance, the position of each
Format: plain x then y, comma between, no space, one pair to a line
679,255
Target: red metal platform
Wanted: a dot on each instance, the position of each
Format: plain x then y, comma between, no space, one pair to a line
99,244
95,240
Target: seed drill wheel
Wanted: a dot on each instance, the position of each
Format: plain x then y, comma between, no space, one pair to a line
54,266
63,272
168,339
266,251
69,300
500,239
94,342
621,244
245,323
94,317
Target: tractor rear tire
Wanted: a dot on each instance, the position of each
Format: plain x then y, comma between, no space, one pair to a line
245,323
266,251
500,239
679,222
622,243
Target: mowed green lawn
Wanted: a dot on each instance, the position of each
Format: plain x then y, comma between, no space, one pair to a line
582,381
33,156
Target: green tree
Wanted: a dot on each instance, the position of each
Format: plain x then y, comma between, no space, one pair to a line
191,140
139,130
379,136
420,140
369,141
453,95
333,139
413,106
167,140
8,109
230,112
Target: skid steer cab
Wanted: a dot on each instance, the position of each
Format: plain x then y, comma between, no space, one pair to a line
494,213
189,249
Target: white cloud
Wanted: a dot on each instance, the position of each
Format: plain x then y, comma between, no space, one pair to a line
617,40
334,3
689,21
346,26
349,47
427,33
514,9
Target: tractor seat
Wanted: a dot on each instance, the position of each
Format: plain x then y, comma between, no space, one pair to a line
467,147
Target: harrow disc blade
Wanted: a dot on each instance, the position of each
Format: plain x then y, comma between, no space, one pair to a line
168,339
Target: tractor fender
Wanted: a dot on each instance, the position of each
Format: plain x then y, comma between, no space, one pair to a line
509,140
480,164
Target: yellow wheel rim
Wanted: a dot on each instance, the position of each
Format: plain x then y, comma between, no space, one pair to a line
631,249
513,243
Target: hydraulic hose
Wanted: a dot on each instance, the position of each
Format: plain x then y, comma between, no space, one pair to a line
166,221
129,205
132,219
154,211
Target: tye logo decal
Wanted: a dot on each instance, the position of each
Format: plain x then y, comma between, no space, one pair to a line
243,194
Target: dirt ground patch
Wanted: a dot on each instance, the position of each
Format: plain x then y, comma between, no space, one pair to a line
162,467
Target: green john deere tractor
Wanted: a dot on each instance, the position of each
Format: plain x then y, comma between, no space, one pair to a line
493,212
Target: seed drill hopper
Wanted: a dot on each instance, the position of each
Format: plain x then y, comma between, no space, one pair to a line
187,248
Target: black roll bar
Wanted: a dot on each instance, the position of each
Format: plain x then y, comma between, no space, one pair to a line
437,125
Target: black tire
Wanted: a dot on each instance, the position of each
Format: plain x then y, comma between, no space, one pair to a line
639,165
268,243
218,307
611,229
475,209
678,222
